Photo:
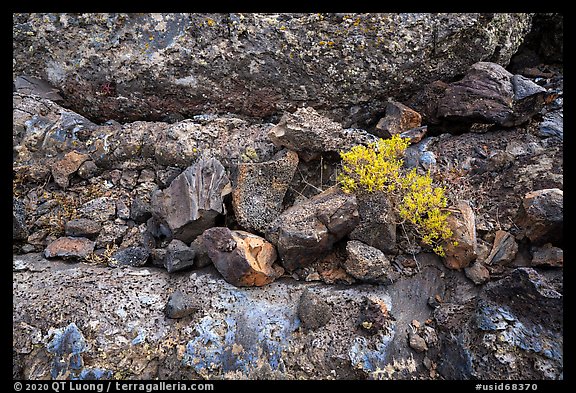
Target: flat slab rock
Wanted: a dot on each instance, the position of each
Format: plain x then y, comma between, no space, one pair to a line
69,247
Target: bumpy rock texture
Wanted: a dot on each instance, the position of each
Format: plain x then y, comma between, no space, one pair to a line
139,66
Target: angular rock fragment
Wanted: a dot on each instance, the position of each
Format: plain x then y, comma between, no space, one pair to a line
417,343
368,264
193,200
552,125
178,256
504,249
548,255
461,248
140,211
306,232
82,227
260,189
242,258
201,258
376,227
111,233
415,134
398,118
99,209
313,311
524,87
69,247
68,165
477,272
87,170
131,256
542,216
179,305
309,133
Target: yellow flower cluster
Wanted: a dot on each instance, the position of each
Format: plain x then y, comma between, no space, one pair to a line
378,168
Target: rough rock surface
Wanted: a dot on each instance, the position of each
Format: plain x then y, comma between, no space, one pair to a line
313,311
376,227
68,165
193,200
309,133
140,66
490,94
242,258
398,118
260,189
542,215
368,264
179,305
548,255
306,232
69,247
504,249
131,256
82,227
178,256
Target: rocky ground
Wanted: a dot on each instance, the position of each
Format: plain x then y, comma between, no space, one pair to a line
176,213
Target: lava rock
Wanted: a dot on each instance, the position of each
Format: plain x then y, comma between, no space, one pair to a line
415,134
504,249
376,227
368,264
68,165
309,133
398,118
417,343
111,233
306,232
29,85
99,209
87,170
178,256
19,229
140,211
202,258
548,255
488,94
131,256
260,190
313,311
82,227
193,200
477,272
463,227
242,258
69,247
327,76
542,216
552,125
179,305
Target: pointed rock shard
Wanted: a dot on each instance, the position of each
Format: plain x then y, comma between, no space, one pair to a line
193,200
260,190
243,259
504,249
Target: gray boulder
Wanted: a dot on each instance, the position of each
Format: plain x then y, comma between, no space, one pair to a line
140,65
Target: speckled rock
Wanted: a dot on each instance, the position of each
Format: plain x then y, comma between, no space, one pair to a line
461,248
68,165
130,66
260,189
179,305
82,227
313,311
368,264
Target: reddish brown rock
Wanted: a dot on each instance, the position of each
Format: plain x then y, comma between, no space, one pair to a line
64,168
461,249
69,247
398,118
243,259
477,272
